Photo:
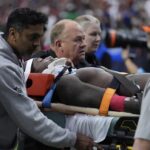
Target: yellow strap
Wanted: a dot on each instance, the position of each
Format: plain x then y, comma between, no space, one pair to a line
104,106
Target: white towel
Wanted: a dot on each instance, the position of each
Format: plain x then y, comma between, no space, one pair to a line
95,127
56,66
28,68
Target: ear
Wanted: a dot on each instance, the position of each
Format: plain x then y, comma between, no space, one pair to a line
58,48
58,43
12,34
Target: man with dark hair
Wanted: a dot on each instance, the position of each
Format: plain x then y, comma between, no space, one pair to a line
24,30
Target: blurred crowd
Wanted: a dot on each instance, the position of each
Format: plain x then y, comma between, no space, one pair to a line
112,13
116,14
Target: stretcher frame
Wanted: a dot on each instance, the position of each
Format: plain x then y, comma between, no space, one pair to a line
70,110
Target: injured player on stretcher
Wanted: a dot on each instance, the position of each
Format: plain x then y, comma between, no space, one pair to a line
86,87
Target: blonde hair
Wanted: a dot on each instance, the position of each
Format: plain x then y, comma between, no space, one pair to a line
84,20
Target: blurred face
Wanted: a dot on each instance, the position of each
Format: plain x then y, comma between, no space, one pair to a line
73,44
40,64
92,37
28,40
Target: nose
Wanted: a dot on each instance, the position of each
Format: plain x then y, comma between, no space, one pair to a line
37,43
84,43
98,38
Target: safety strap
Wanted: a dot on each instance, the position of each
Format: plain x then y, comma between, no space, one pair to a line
109,92
104,106
48,97
129,85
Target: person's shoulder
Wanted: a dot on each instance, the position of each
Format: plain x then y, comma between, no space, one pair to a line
10,75
83,64
7,68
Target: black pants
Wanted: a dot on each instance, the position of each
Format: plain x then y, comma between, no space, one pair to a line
28,143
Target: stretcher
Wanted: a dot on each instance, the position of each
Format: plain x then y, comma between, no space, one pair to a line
123,126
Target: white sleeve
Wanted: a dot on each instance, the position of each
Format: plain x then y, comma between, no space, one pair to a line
28,68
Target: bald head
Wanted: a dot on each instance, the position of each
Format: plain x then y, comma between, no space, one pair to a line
63,28
68,40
